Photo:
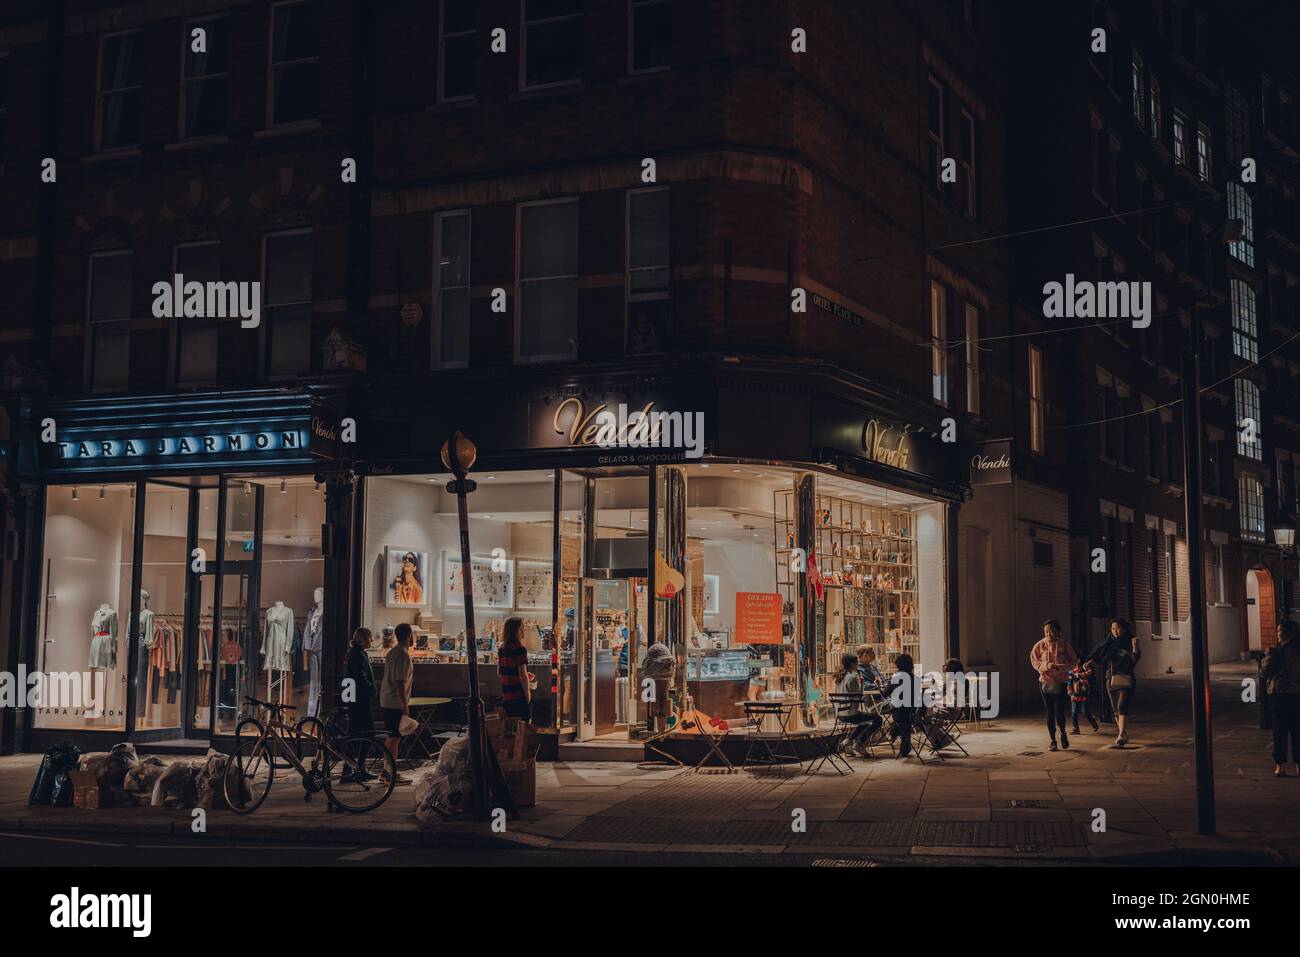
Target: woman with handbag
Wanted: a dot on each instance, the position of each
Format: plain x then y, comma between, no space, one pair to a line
1053,658
1119,655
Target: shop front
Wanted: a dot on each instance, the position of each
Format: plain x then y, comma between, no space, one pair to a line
179,559
787,521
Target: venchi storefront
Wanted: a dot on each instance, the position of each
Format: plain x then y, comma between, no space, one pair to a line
798,515
182,552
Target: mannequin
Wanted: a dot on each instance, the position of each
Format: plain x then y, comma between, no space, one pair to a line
103,649
148,638
277,640
311,646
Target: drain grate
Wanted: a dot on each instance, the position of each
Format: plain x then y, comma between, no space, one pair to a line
842,862
1027,803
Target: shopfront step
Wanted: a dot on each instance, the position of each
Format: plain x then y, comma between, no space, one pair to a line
630,751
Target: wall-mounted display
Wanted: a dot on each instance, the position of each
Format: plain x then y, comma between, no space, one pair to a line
533,581
407,575
712,585
494,582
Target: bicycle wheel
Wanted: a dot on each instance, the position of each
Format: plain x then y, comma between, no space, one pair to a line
360,773
249,772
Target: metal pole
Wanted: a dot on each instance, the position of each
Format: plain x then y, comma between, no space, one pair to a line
1196,578
475,704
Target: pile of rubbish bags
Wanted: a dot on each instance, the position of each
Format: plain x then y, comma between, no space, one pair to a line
126,779
443,792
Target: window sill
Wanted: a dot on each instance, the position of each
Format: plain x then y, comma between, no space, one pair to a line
107,156
449,106
197,143
288,129
555,89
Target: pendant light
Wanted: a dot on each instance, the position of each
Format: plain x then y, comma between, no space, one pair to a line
75,496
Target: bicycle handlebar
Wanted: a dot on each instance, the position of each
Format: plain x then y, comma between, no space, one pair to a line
270,706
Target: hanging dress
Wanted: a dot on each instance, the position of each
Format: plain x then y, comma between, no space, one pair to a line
278,638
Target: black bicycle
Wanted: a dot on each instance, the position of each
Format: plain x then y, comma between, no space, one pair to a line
356,772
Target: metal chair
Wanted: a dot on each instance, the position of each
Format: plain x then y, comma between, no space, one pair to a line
831,745
769,744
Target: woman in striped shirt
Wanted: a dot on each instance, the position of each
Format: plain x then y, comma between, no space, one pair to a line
512,668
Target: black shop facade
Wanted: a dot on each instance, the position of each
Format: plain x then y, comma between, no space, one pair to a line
179,553
782,518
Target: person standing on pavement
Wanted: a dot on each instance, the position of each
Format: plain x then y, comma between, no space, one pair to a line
904,702
1281,671
1079,687
512,669
1053,657
362,676
395,690
1119,656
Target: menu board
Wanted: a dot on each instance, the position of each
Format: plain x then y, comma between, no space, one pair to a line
758,618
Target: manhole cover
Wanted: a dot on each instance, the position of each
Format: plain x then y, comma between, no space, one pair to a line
842,862
1030,754
1026,803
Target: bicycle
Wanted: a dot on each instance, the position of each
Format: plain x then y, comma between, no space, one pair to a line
356,772
306,730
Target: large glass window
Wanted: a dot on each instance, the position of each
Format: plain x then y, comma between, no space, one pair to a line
205,86
650,35
295,63
1250,441
1245,334
456,48
160,634
288,291
548,279
121,68
452,273
552,42
83,617
1241,208
109,315
649,274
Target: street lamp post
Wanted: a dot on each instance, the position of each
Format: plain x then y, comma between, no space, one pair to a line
1284,538
1196,579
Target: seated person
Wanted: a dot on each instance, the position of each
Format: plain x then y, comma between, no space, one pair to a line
849,682
872,679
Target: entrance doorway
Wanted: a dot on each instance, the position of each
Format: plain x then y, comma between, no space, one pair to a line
1261,610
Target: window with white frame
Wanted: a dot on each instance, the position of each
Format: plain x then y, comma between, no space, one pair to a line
552,47
1216,567
1180,138
1203,158
1240,207
972,359
1250,506
969,181
457,32
649,35
452,285
121,69
1154,110
648,270
108,314
205,82
287,291
1250,438
548,280
1245,334
935,128
195,337
1139,89
1037,402
294,94
938,343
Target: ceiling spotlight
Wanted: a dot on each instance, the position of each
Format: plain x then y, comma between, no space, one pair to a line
101,491
248,488
491,476
75,496
283,488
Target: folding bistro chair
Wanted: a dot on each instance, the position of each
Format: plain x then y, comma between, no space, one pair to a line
829,746
945,727
769,745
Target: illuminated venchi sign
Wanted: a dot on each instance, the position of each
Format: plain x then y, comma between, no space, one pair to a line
200,445
887,445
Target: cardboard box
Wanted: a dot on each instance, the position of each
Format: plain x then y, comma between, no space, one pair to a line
85,790
521,779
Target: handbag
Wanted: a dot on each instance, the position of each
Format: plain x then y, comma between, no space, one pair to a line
1121,682
407,725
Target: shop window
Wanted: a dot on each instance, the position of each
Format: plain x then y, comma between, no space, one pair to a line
650,35
649,274
121,70
451,296
1037,402
205,85
160,670
287,289
552,52
295,63
973,404
938,343
457,32
195,337
548,279
83,620
109,319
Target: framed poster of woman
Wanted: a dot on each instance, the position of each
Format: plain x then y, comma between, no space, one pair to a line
406,575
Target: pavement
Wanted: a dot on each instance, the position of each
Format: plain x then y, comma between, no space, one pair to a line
1011,801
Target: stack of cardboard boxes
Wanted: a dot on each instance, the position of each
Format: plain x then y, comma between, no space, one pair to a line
515,744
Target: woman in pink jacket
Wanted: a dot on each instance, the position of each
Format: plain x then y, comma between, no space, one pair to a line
1053,657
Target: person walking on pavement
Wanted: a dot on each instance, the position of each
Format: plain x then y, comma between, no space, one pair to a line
1053,657
1118,656
1079,687
1281,671
395,691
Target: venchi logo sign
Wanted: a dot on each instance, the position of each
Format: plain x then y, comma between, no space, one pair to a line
888,446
